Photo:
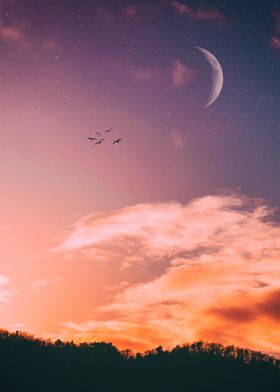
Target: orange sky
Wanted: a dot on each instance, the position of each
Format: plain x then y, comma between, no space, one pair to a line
158,273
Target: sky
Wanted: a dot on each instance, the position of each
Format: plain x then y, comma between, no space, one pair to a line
172,235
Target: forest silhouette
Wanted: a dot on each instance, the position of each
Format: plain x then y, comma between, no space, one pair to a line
32,364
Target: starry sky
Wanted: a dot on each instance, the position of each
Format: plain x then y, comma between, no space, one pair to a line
172,235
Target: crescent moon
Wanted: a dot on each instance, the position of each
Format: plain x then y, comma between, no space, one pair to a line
216,74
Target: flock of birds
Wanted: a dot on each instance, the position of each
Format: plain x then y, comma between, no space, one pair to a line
99,140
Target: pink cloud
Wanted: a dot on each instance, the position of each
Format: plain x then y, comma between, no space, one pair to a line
275,43
49,44
275,40
181,74
3,280
221,280
143,74
4,292
107,15
277,18
143,8
8,1
200,14
131,10
41,283
14,34
177,139
117,286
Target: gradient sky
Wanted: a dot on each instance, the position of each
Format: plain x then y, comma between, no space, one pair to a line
173,235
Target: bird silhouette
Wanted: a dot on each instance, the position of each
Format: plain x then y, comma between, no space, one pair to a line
108,130
97,133
92,138
99,141
117,141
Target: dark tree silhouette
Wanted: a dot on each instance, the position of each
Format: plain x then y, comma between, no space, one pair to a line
30,364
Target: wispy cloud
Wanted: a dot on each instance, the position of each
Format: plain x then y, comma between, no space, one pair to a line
200,14
16,327
8,2
117,286
221,280
14,34
18,34
105,14
49,44
275,43
181,74
5,294
143,74
41,283
177,138
6,228
275,40
131,10
3,280
141,9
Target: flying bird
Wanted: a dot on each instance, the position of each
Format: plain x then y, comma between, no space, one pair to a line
108,130
99,141
97,133
92,138
117,141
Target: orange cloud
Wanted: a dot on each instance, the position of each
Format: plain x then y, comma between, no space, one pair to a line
270,306
220,279
200,14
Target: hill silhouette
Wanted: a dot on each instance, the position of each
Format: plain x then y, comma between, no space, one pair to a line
31,364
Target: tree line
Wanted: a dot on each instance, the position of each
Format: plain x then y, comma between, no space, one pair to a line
31,364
